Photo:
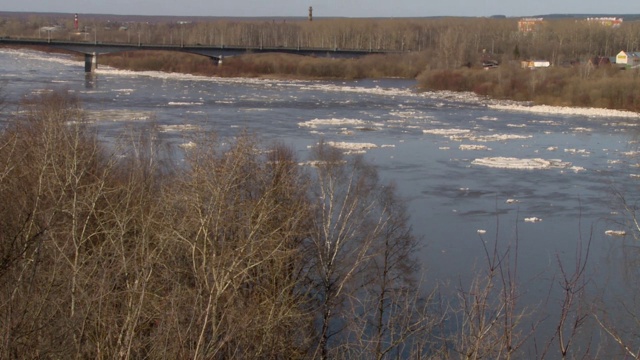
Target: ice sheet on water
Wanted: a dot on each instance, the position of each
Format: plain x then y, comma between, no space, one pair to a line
520,164
562,110
474,147
178,128
351,146
315,123
119,115
184,103
446,132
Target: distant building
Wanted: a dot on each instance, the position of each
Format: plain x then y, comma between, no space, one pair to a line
535,64
529,24
631,59
606,21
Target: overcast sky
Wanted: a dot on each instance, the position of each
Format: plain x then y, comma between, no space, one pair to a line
326,8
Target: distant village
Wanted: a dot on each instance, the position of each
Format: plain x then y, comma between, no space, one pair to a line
623,59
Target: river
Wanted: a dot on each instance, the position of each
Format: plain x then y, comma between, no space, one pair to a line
473,171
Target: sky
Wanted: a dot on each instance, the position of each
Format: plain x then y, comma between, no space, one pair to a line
326,8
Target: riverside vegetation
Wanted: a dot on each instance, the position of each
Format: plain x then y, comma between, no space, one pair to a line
442,53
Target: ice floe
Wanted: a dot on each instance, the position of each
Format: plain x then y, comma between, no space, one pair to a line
520,164
176,128
473,147
446,132
351,146
184,103
487,118
331,122
118,115
498,137
583,152
562,110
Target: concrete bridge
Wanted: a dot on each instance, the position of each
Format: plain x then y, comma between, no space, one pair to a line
91,50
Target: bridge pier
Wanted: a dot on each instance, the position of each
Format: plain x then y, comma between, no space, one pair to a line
217,60
90,62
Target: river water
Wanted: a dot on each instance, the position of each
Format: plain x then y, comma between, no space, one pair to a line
473,171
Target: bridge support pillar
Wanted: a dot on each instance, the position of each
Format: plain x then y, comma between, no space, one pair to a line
90,62
216,60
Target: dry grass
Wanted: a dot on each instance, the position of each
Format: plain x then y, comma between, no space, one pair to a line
606,87
271,65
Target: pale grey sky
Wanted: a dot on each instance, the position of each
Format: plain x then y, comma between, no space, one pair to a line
326,8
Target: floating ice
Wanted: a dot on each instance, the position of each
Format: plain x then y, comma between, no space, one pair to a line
473,147
118,115
331,122
577,151
316,163
577,168
446,132
184,103
521,164
487,118
560,110
499,137
351,146
175,128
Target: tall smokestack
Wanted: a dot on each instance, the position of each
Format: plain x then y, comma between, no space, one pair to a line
75,22
310,13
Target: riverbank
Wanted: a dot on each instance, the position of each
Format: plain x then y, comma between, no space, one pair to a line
272,65
606,87
583,86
